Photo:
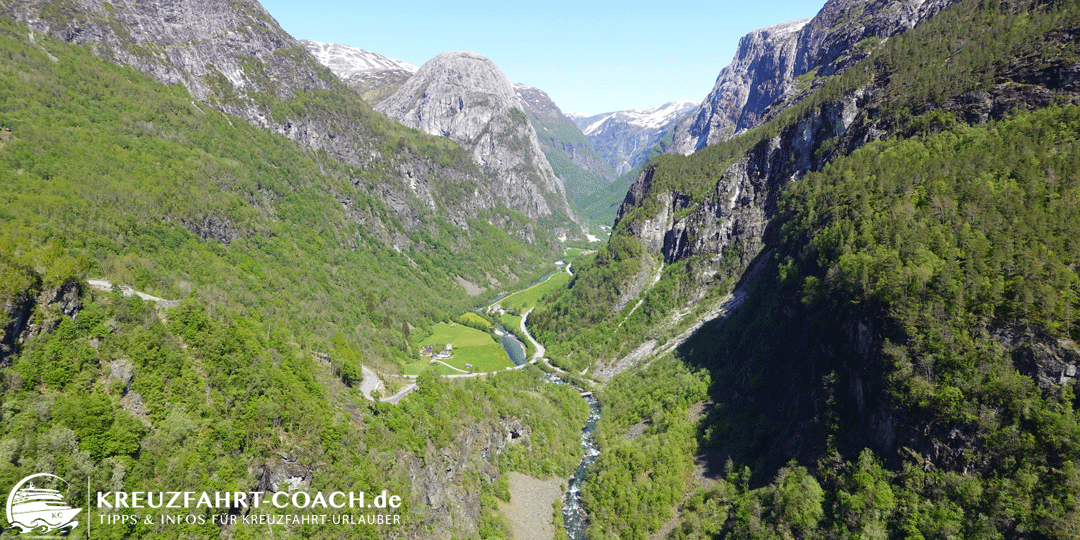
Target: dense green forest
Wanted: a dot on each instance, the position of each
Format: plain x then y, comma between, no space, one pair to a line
927,284
903,363
289,274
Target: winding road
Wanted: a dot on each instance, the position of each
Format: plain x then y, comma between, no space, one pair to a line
372,382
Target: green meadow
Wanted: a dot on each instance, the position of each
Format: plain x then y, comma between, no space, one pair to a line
470,346
523,300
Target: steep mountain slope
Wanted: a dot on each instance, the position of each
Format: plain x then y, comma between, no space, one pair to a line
237,59
291,266
905,348
371,74
465,97
777,65
570,153
761,71
625,138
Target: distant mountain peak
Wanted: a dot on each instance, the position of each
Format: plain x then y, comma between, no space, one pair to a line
625,138
346,61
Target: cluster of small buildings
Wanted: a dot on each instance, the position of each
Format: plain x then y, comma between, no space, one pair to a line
430,352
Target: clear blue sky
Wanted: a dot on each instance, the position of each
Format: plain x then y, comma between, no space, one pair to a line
590,57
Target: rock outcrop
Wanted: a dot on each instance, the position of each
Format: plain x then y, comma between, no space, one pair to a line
777,66
234,57
442,506
761,72
34,312
740,206
465,97
373,75
625,138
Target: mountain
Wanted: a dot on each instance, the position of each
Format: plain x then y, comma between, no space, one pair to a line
779,65
237,59
570,153
194,151
761,71
873,273
465,97
373,75
624,138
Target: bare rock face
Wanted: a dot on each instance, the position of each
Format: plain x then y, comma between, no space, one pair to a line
774,67
212,48
35,312
373,75
761,71
465,97
442,506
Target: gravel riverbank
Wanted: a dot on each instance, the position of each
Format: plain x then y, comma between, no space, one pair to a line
529,510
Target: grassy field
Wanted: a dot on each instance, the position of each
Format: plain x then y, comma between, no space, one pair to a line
470,346
523,300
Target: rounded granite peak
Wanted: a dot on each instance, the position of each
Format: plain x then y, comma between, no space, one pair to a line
470,70
465,97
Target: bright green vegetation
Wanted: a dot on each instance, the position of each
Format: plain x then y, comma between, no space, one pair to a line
638,481
118,174
285,291
528,298
470,346
943,288
474,320
986,246
579,323
895,371
556,133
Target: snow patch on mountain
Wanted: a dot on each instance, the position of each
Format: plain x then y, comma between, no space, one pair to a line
347,61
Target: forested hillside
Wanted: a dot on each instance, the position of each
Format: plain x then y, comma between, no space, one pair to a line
903,361
289,274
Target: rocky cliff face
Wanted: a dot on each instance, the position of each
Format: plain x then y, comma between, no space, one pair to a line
234,57
777,66
744,198
373,75
625,138
760,73
761,82
443,506
465,97
213,49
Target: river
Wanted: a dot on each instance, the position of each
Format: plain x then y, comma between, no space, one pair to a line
574,516
575,519
513,346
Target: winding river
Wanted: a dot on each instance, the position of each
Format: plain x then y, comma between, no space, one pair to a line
574,516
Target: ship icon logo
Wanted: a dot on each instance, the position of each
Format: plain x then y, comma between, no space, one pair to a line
39,510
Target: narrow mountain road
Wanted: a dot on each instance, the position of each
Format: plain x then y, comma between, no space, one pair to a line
103,285
370,383
394,399
540,350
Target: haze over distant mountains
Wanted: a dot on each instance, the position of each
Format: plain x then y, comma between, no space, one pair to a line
625,138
